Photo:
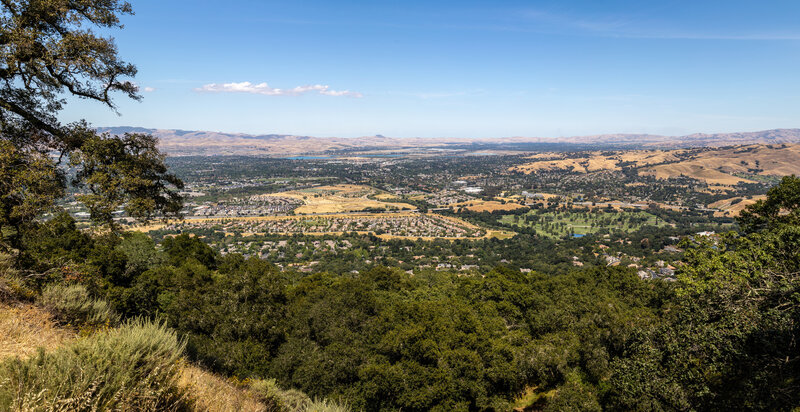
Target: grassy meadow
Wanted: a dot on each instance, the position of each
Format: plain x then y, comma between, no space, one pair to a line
558,224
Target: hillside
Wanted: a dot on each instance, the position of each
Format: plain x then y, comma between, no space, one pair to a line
28,330
208,143
714,166
734,165
25,328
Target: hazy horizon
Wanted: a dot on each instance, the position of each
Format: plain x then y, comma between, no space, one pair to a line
434,137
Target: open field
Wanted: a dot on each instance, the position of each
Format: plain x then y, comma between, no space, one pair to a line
733,206
564,223
486,206
337,199
385,196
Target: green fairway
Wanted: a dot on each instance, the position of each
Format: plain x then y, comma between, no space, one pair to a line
557,224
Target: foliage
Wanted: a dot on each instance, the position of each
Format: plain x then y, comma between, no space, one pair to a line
181,249
781,207
29,184
233,321
131,368
72,305
54,243
326,405
125,172
383,340
12,285
277,399
49,52
729,340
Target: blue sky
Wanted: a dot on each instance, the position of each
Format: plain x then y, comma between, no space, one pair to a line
460,68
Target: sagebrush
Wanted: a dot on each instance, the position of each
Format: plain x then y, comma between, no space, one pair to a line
133,367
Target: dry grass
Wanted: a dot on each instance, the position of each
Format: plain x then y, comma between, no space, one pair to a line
596,161
713,166
133,367
487,206
341,198
580,164
24,328
717,166
339,204
212,393
499,234
454,220
386,196
650,157
591,163
730,207
696,169
545,156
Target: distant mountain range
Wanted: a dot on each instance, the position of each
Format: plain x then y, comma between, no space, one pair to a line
187,142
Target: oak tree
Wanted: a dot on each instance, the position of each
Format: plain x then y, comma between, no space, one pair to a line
49,51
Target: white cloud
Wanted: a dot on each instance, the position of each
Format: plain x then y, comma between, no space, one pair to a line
265,89
149,89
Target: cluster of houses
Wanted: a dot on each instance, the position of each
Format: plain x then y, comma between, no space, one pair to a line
662,271
278,248
452,267
261,206
412,226
445,198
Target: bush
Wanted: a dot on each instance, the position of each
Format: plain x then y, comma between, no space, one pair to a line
276,399
325,405
72,304
12,287
279,400
134,367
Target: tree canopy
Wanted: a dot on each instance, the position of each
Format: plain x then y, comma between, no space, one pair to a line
49,50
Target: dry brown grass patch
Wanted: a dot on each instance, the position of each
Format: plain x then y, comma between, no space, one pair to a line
24,328
342,198
730,207
491,206
212,393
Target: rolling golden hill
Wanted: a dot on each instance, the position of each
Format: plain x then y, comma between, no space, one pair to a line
207,143
716,166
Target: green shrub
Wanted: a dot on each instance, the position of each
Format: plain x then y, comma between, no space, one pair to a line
276,399
12,286
290,400
72,304
134,367
325,405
